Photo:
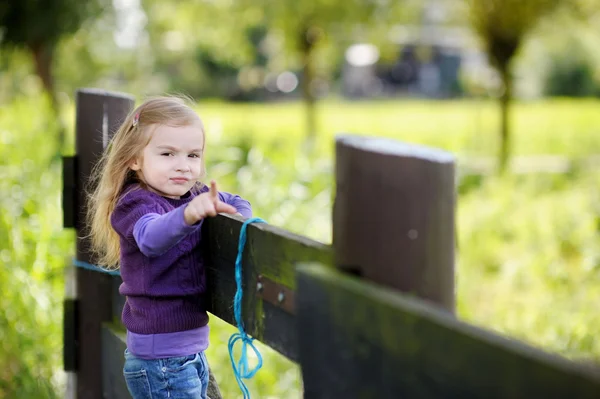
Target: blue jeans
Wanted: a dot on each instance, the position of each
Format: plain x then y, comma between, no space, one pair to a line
183,377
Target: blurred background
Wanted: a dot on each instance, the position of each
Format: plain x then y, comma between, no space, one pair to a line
510,87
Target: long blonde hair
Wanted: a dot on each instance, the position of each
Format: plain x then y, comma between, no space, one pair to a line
112,172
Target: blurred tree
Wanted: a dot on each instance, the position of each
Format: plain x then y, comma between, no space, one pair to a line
111,52
572,73
198,47
309,27
503,26
233,47
38,26
571,63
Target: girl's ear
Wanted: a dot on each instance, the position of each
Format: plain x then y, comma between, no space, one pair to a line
136,165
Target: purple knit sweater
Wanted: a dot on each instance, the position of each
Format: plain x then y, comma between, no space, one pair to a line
164,282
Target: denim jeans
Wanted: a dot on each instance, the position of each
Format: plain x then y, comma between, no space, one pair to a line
183,377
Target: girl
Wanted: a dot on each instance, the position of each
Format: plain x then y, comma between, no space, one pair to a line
146,215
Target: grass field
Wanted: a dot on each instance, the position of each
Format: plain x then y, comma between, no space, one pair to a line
528,263
464,127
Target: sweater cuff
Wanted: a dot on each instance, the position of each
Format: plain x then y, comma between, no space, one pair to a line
179,218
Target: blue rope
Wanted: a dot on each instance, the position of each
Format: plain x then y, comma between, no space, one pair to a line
95,268
240,369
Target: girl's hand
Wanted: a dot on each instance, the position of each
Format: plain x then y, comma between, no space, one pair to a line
206,204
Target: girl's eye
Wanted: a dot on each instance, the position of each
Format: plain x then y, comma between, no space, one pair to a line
166,154
194,156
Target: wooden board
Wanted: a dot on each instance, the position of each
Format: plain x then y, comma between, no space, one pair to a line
98,116
117,300
270,252
113,348
393,215
360,340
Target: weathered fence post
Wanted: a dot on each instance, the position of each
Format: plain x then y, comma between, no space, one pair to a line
98,115
393,218
393,224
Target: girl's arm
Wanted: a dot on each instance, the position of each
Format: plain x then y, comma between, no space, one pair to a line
155,234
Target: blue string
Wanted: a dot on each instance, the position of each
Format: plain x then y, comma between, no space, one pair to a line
240,369
95,268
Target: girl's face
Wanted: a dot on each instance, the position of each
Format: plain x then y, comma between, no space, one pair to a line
171,163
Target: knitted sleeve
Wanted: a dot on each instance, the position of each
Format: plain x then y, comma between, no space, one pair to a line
155,234
130,208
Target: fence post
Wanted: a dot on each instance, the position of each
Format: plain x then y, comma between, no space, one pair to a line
393,224
98,115
393,216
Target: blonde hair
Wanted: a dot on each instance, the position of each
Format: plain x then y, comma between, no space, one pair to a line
113,172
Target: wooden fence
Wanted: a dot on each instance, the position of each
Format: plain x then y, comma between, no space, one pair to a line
371,316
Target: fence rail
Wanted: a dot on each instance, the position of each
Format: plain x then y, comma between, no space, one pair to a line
372,315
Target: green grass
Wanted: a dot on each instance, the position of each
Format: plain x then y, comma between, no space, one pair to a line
33,250
528,263
529,260
463,127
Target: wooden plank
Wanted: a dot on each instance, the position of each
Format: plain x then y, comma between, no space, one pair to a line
69,193
118,300
70,335
271,252
360,340
113,348
98,116
393,215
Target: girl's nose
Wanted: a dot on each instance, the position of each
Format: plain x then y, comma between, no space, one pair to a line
183,167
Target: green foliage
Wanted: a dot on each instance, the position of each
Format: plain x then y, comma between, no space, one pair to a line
16,75
503,26
572,78
297,22
189,44
194,47
528,262
33,250
39,22
37,26
573,67
91,56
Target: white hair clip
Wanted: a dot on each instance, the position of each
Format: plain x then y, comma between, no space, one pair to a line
136,119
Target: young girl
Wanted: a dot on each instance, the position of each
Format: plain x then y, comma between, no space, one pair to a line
145,216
